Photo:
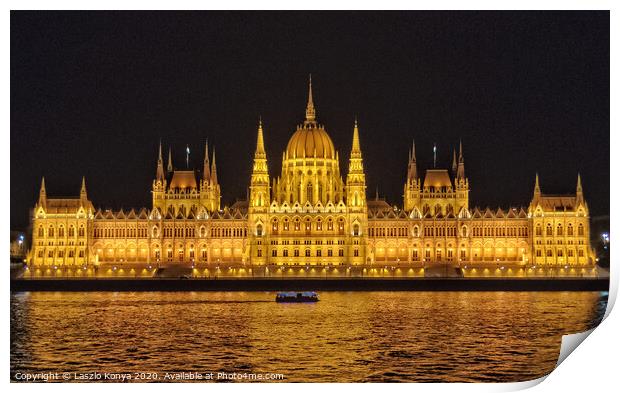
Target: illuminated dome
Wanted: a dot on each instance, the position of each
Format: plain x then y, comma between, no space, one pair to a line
311,141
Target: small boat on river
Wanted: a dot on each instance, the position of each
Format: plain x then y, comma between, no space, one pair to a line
297,297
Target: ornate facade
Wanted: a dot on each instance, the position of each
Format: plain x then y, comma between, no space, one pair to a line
309,217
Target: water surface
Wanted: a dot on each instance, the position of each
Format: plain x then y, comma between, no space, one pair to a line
346,337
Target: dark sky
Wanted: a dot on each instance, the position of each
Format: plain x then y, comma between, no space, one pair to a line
93,92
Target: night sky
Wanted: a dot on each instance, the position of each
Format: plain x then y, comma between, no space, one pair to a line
92,93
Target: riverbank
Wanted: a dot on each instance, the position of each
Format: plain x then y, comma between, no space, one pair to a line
346,284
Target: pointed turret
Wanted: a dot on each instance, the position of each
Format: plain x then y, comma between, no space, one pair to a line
355,146
213,170
260,144
412,170
83,195
160,175
42,193
454,167
170,168
310,111
536,188
206,172
579,193
259,182
356,180
460,173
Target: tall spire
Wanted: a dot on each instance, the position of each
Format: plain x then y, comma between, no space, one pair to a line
83,194
536,187
355,147
460,173
310,112
260,144
170,168
160,165
42,193
412,170
213,170
206,173
454,167
579,193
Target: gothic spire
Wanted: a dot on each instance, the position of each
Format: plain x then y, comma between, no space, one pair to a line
310,111
536,187
42,193
355,147
260,144
460,173
83,194
213,170
206,173
170,168
160,165
454,167
579,193
412,170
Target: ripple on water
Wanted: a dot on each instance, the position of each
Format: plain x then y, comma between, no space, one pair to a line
346,337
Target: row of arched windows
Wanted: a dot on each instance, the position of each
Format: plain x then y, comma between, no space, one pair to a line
285,225
559,230
61,231
120,232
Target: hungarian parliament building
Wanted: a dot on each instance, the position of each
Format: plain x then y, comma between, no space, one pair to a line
311,216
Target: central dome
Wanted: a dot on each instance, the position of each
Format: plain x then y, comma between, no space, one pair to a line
310,141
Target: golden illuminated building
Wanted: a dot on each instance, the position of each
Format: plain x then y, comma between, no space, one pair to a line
309,219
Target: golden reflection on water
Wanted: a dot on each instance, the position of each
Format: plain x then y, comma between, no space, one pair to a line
346,337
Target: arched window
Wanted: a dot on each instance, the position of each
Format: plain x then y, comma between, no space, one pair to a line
463,231
319,225
356,230
61,231
203,231
580,230
549,230
307,252
538,230
259,230
50,231
155,231
81,231
41,231
569,230
416,231
274,225
71,231
560,230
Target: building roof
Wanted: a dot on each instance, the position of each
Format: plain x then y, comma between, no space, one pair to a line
437,178
309,140
378,205
183,179
558,202
65,205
